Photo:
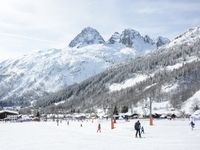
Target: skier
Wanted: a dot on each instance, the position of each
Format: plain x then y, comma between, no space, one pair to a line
192,124
137,128
99,128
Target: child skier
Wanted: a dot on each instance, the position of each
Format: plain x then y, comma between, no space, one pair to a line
142,129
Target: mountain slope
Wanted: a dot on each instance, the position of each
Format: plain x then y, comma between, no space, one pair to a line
189,37
47,71
28,78
169,73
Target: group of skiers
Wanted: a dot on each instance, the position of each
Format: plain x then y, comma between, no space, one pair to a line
138,128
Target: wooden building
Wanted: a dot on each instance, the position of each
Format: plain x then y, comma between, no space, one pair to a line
8,114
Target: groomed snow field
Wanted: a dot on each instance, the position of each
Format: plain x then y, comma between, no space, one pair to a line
163,135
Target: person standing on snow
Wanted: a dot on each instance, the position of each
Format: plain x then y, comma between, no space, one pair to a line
192,124
57,122
99,128
137,128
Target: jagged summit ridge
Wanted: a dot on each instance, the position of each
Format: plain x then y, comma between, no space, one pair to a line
87,36
129,38
133,39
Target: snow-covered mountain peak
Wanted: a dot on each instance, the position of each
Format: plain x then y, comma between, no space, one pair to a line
88,36
193,31
189,37
128,36
115,38
31,76
147,39
129,31
161,41
133,39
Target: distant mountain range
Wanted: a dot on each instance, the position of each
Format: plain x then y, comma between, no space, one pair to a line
30,77
129,38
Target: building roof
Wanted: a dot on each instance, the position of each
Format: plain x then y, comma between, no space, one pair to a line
9,111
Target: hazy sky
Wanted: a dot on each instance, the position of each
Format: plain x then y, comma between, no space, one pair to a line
31,25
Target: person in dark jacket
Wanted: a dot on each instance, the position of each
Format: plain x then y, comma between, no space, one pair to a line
192,124
137,128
